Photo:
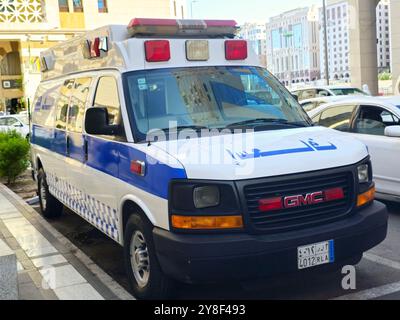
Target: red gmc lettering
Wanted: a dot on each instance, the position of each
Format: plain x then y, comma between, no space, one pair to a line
300,200
314,198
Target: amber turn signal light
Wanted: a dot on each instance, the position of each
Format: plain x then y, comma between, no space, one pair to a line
366,197
207,223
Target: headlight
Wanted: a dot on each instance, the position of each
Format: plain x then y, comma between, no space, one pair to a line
363,173
206,197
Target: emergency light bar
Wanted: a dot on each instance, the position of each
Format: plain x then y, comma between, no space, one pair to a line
172,27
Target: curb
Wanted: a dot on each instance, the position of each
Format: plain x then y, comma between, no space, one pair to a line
99,273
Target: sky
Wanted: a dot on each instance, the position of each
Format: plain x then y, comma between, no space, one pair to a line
245,10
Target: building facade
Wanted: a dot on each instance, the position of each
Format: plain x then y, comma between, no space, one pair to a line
383,33
293,46
27,27
338,15
256,34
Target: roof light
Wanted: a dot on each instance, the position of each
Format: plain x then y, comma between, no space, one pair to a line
236,49
197,50
93,49
47,62
171,27
157,50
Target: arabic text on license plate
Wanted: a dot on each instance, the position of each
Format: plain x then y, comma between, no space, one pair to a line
316,254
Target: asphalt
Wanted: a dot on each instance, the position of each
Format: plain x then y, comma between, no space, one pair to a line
377,276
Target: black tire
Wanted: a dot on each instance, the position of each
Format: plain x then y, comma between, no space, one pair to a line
158,286
50,206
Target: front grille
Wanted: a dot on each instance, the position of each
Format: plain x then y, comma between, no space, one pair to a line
299,217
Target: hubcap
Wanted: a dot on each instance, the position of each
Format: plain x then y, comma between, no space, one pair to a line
43,196
140,260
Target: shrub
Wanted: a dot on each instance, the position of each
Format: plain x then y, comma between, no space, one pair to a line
385,76
14,155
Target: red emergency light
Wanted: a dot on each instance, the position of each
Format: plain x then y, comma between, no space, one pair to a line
173,27
157,50
236,50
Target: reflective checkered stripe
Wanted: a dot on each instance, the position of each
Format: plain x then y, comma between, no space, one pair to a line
98,214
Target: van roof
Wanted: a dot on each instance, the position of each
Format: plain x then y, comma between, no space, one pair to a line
121,47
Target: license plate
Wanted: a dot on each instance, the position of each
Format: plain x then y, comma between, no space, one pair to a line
316,254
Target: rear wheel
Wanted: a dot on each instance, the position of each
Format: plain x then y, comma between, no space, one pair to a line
49,205
144,272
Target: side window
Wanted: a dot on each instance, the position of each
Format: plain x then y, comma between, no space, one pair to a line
45,106
373,120
12,121
308,94
62,104
323,93
79,97
337,118
107,96
3,121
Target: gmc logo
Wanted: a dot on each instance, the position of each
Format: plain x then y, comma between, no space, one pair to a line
309,199
300,200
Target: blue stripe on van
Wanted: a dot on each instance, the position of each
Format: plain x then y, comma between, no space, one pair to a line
114,158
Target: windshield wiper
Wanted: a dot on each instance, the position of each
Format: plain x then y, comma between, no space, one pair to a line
261,121
179,128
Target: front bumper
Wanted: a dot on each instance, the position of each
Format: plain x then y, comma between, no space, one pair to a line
216,257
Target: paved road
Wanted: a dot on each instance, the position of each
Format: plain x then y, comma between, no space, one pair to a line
378,275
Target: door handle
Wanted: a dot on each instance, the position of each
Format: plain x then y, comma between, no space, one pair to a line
68,143
86,149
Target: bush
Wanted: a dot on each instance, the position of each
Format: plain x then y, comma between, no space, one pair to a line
14,155
385,76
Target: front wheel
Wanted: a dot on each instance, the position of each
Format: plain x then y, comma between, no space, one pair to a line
49,205
144,272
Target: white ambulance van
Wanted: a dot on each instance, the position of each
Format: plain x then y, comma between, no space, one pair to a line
169,137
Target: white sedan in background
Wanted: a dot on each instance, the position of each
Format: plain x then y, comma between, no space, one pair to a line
327,91
376,122
311,104
19,123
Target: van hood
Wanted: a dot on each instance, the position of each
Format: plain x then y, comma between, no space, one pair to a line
264,154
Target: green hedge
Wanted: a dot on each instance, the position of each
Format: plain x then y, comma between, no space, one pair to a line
14,155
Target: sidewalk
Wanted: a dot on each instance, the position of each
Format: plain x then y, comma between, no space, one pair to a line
50,267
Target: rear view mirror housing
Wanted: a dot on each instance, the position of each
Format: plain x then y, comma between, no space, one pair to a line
392,131
97,122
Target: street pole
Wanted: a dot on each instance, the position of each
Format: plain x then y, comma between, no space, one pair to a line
326,44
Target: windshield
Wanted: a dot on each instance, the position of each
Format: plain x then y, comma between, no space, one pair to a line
211,98
348,92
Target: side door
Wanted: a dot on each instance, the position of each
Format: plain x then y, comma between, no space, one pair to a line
103,160
59,173
369,127
77,177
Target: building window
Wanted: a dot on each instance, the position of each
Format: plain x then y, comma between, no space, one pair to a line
31,11
63,5
78,6
102,4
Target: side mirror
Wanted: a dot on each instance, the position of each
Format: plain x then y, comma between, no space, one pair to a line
96,122
392,131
